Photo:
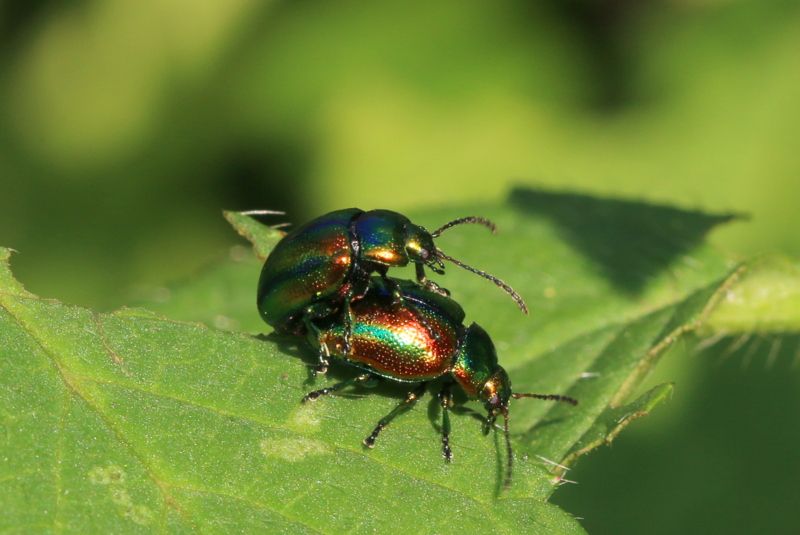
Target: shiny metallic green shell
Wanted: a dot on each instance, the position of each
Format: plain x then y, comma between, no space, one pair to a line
412,342
328,260
380,236
310,264
477,361
421,339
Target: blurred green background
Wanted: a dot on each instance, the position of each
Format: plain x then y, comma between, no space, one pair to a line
127,126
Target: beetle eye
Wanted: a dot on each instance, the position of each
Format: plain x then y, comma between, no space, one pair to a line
424,254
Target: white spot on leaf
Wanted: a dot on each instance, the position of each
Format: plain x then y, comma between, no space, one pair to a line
293,449
105,476
114,477
304,418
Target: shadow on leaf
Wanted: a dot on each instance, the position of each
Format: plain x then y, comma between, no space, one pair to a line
630,241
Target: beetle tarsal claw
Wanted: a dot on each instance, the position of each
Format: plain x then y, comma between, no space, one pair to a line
432,286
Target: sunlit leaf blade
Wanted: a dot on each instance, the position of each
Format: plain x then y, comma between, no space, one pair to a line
757,320
611,422
766,301
614,361
131,421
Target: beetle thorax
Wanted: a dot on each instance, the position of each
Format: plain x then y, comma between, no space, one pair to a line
476,362
380,237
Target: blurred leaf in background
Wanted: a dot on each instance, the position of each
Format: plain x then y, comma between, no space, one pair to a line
128,124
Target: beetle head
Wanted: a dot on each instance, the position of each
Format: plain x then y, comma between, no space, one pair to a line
496,391
495,395
420,248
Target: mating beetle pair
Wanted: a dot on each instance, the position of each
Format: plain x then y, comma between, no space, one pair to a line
326,263
317,281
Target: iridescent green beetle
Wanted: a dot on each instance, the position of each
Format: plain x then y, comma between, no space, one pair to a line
391,341
320,268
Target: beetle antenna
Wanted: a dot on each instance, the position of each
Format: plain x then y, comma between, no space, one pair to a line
463,220
504,410
510,466
508,289
548,397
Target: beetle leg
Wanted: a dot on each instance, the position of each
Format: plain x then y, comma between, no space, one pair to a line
354,293
311,396
432,286
421,278
491,417
397,293
446,401
429,284
312,312
412,397
324,354
348,327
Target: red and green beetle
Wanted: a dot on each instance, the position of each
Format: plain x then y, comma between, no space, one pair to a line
415,341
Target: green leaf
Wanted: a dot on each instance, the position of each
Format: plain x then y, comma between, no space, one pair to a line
612,421
766,301
129,421
759,317
263,238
